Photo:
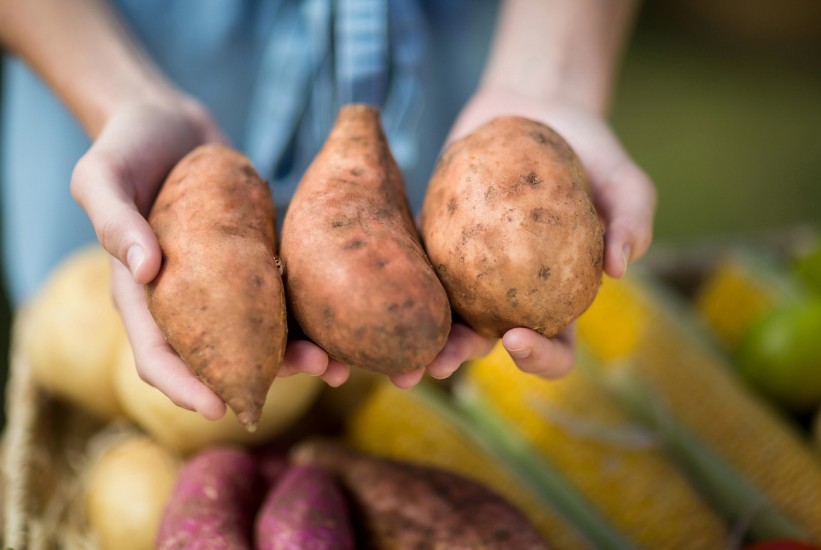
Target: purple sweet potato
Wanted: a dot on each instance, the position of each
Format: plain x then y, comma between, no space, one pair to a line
219,298
356,276
217,494
402,505
305,510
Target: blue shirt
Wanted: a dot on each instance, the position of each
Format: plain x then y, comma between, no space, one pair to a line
273,74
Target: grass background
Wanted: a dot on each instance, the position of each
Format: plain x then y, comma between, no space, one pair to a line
720,102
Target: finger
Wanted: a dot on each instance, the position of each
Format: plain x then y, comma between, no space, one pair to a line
157,363
536,354
627,199
100,188
407,380
303,356
336,374
463,344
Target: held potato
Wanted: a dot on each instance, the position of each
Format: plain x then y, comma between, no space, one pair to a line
218,297
357,278
509,225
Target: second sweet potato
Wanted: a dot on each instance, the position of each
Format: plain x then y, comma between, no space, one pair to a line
357,278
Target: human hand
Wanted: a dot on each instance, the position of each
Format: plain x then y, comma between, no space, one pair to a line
622,193
116,182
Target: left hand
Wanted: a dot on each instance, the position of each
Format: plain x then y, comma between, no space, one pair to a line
623,194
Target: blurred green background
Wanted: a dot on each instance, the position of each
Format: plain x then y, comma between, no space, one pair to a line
720,102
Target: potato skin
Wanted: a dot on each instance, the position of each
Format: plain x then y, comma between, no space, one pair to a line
212,507
403,505
356,276
219,298
511,230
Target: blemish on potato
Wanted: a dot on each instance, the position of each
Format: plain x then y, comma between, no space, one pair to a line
511,297
539,137
452,205
543,215
490,193
343,221
544,273
356,172
353,244
381,263
532,179
249,173
232,230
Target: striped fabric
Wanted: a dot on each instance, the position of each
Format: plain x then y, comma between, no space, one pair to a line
324,54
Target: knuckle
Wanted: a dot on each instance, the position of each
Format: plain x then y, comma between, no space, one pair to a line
108,233
80,176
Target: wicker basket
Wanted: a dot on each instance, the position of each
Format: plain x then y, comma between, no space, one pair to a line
46,446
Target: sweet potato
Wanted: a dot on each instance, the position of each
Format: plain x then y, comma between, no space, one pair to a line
217,494
511,230
219,298
356,276
305,509
403,505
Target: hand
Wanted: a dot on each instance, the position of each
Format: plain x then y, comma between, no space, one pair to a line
116,182
622,193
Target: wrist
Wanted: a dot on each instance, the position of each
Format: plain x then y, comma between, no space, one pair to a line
84,53
559,50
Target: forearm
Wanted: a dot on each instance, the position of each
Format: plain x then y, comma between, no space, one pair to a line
83,52
570,49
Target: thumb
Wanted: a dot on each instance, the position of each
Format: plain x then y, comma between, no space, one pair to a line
103,190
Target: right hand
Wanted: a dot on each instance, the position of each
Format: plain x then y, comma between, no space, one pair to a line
116,183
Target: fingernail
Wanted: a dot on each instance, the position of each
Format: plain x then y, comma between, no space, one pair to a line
626,253
134,258
521,353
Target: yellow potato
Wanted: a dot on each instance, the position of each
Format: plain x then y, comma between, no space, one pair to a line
71,332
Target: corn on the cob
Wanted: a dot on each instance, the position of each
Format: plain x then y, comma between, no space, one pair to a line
740,290
675,363
406,425
612,460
